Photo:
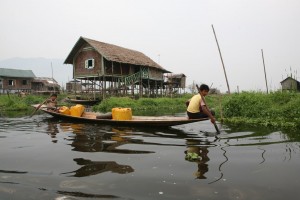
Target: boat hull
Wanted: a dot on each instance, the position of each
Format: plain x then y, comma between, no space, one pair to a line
152,121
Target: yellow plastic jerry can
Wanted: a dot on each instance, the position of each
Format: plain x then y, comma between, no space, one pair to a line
64,110
77,110
121,114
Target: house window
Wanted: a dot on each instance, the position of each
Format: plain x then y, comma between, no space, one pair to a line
24,82
11,82
89,63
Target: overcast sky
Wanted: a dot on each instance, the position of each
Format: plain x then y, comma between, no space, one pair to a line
177,34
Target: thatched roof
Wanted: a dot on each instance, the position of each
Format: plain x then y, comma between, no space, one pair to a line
175,76
114,53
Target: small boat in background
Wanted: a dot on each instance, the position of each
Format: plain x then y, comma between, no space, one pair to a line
88,102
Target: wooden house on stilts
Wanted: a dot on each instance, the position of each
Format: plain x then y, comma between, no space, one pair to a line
109,70
175,83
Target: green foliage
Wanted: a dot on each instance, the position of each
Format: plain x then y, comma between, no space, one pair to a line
150,104
12,102
107,104
274,110
15,103
246,105
147,102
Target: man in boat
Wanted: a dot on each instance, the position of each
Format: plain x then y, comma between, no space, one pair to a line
51,103
196,107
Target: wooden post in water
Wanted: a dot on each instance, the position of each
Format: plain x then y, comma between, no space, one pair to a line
262,54
221,59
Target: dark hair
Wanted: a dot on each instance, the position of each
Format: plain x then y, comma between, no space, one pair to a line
204,87
53,95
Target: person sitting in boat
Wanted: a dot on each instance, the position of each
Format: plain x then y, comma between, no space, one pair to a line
51,103
196,107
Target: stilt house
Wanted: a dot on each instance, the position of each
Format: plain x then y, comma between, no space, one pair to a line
15,80
175,82
73,86
110,70
45,85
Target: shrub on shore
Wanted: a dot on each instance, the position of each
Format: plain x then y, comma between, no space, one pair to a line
13,102
277,109
142,104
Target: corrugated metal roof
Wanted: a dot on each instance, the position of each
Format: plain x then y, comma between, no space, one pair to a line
17,73
114,53
46,81
289,78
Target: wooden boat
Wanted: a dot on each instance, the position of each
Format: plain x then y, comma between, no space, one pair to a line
89,102
151,121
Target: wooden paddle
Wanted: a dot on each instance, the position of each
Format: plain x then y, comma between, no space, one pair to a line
203,99
37,108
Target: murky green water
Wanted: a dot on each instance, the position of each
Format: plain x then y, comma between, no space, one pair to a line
42,158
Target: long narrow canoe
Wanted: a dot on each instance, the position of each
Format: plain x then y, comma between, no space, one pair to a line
151,121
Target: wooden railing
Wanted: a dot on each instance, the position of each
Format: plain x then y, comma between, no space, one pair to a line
133,78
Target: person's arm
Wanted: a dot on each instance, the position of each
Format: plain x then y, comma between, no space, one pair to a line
208,113
47,101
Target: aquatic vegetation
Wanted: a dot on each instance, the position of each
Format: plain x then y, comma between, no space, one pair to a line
277,109
12,102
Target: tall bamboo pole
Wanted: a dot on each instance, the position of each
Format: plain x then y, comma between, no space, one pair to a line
221,59
262,54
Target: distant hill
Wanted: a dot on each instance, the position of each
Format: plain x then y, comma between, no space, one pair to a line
41,67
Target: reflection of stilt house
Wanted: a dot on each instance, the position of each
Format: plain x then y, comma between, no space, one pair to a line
175,83
290,84
44,85
110,70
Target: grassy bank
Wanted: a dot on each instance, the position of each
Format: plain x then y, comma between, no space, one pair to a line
144,105
13,102
258,109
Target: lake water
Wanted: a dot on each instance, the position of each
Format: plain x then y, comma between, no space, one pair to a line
43,158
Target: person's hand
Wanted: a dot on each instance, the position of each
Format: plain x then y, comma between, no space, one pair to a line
213,120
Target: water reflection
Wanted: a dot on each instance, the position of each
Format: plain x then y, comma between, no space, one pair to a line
95,167
52,130
87,138
101,138
85,195
12,172
202,152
